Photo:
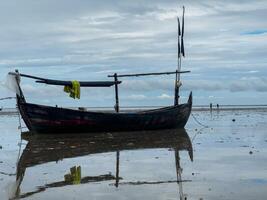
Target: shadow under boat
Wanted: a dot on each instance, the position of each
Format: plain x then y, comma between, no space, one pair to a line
42,149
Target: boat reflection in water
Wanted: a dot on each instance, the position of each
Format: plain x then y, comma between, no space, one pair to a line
42,149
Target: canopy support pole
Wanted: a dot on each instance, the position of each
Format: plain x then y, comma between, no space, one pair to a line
116,93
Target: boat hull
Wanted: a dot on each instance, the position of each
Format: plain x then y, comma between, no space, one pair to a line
47,119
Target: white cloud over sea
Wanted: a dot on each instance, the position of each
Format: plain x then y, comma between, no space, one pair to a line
225,45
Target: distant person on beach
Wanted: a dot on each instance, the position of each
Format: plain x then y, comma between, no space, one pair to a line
217,106
210,106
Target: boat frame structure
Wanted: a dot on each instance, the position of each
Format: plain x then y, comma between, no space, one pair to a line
53,119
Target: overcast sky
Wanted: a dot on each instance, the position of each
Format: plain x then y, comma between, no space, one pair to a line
225,46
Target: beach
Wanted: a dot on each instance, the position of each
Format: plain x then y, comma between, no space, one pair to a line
221,155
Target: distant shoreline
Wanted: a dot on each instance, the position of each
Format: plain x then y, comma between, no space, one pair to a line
13,111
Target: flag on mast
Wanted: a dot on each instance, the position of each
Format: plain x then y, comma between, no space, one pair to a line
179,33
182,36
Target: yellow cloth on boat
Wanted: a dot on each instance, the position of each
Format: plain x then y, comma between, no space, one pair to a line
74,176
74,89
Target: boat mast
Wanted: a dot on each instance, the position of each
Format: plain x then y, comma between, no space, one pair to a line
180,51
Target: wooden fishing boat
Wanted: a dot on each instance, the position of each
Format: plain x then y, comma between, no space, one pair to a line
48,119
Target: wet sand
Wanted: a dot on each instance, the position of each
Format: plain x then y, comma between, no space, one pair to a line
229,161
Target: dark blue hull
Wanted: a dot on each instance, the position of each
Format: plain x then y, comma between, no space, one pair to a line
47,119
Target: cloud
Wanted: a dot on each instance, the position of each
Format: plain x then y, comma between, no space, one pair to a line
224,41
142,90
165,96
249,84
41,91
135,97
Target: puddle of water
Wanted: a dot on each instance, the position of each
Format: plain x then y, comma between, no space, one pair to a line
229,161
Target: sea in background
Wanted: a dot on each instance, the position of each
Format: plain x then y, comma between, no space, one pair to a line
228,160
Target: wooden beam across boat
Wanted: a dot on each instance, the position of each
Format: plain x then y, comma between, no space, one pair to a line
150,74
63,83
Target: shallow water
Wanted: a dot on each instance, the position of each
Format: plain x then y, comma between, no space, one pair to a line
229,161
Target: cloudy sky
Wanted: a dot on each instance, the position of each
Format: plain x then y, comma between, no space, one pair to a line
225,44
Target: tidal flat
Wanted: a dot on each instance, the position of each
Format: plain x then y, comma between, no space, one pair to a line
220,155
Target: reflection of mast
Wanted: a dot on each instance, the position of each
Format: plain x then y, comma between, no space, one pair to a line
19,177
117,168
179,173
